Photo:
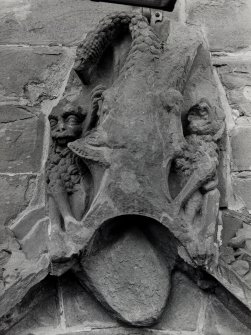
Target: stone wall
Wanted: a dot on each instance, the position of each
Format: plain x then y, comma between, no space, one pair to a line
38,39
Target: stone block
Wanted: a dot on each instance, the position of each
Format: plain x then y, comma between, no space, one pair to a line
227,24
16,194
241,153
50,21
31,75
242,187
18,276
23,226
21,139
235,74
38,310
181,313
232,221
220,321
80,307
111,331
36,242
128,275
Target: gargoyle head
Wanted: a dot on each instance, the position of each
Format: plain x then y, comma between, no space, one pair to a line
135,134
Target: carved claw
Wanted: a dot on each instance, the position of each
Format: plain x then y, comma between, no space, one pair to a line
211,185
197,179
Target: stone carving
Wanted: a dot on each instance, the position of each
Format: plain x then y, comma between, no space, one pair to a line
132,172
63,173
136,144
197,170
67,188
69,180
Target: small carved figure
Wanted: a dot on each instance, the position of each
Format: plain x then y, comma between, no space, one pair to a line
198,162
68,178
199,197
67,188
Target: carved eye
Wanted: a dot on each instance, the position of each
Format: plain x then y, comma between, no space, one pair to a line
73,119
204,113
53,122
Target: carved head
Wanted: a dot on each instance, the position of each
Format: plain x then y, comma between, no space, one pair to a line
199,118
66,121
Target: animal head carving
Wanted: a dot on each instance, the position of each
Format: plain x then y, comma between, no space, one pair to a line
134,137
132,174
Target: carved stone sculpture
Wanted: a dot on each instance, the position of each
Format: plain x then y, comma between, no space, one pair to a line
132,177
130,152
64,176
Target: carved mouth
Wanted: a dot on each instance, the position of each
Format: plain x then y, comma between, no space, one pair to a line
130,241
62,139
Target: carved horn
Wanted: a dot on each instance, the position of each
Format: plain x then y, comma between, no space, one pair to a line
90,51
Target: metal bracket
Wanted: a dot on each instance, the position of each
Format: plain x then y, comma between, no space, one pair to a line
158,20
156,16
153,15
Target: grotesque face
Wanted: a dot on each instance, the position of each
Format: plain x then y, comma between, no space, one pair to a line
66,122
199,119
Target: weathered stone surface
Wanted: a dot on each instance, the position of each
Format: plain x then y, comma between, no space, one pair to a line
50,21
224,171
233,305
185,301
227,25
43,318
27,221
242,187
130,152
102,146
18,274
238,286
16,195
219,321
38,309
111,331
232,221
241,267
21,139
35,243
32,75
147,166
240,143
126,275
234,70
80,307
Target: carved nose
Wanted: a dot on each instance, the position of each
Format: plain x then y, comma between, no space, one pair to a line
61,126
